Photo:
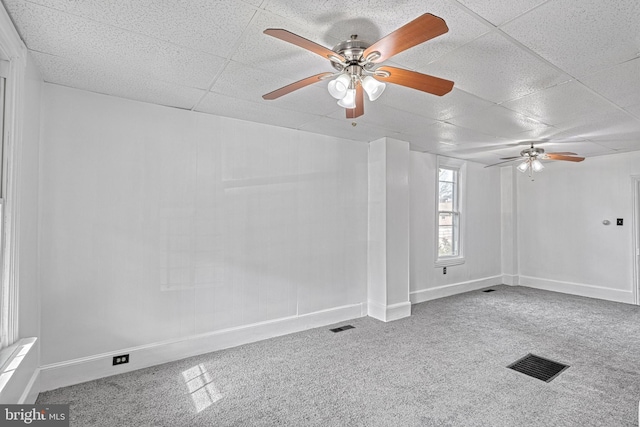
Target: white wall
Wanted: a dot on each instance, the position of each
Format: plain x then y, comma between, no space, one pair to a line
482,231
563,245
161,224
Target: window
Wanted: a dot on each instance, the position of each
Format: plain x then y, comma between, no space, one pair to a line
4,290
449,212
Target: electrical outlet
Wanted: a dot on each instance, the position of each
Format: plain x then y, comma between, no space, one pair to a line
444,270
119,360
619,221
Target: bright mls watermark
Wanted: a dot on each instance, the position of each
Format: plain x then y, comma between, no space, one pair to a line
34,415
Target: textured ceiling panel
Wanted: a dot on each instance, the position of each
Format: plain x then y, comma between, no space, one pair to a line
279,57
463,28
226,106
498,121
344,129
581,36
552,72
389,118
560,103
494,69
613,126
81,75
101,45
620,84
202,25
455,103
500,11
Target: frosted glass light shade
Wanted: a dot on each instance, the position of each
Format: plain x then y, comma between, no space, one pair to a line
522,167
373,87
349,100
537,165
338,87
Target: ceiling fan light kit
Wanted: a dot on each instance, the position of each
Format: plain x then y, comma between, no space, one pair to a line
356,62
531,159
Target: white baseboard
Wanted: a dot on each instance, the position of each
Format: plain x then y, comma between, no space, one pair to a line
511,279
453,289
581,289
84,369
389,313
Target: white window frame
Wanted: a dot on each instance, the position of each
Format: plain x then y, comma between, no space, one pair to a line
460,166
13,49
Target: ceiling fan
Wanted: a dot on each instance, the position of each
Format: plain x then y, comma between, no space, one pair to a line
356,61
531,159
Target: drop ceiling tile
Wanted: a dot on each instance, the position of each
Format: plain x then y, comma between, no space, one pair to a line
581,36
226,106
621,145
337,20
495,69
67,72
634,110
462,29
442,136
389,118
581,148
455,103
613,126
202,25
277,56
314,99
343,128
620,83
559,103
498,121
245,82
100,45
500,11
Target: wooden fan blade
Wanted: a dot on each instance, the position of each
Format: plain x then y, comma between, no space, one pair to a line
561,157
295,86
295,39
566,153
499,163
415,80
418,31
352,113
510,158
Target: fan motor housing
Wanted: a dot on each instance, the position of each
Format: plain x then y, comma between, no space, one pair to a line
352,50
532,152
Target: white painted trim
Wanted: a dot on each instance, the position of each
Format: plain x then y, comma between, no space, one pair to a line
635,197
32,389
423,295
580,289
89,368
13,48
389,313
511,279
18,381
461,166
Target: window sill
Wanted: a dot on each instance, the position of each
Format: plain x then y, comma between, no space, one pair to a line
446,262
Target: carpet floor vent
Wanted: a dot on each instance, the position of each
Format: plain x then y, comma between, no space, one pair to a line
538,367
489,290
342,328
